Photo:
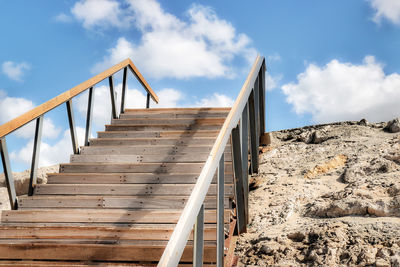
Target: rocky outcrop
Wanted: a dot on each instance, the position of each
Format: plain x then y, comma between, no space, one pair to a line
326,195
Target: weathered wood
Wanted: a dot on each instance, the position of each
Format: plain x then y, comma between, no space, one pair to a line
136,168
151,121
53,263
156,134
99,216
119,232
64,97
177,110
191,115
112,202
162,127
186,157
145,150
152,141
127,178
123,189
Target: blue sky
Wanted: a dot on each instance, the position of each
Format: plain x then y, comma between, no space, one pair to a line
327,60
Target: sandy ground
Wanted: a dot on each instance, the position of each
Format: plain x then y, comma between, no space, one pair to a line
326,195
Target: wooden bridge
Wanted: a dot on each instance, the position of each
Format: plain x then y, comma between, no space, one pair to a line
158,186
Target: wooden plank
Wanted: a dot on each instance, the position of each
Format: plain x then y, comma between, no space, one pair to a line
152,141
177,110
135,168
99,216
190,115
127,178
118,232
123,189
55,263
112,202
162,127
38,111
187,157
133,251
150,121
156,134
143,150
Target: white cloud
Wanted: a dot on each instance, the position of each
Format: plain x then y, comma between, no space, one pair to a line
15,71
274,57
49,154
201,46
272,82
388,9
216,100
62,17
344,91
98,13
12,107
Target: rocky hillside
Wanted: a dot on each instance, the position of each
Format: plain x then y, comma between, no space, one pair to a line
326,195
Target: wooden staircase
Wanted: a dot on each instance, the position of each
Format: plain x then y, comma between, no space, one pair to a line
118,200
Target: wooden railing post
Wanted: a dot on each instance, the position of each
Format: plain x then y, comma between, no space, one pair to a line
112,95
8,174
123,95
35,154
238,174
72,128
220,212
198,240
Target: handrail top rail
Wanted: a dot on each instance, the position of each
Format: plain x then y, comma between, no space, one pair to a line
38,111
178,239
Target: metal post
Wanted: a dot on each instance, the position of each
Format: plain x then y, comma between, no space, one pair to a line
35,154
112,95
8,174
244,133
148,100
262,97
253,135
198,240
72,129
89,116
123,91
257,106
220,213
239,194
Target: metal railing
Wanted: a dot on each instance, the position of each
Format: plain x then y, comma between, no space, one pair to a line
66,97
249,108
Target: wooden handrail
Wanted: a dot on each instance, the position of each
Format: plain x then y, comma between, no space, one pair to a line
179,237
38,111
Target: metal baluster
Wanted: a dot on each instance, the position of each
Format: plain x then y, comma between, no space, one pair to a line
35,154
262,97
257,107
123,91
220,212
244,133
253,135
148,100
198,240
72,129
8,174
239,196
89,116
112,95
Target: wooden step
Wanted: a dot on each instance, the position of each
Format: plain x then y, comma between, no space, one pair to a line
55,263
155,121
124,189
114,216
187,157
152,141
162,127
137,167
143,150
127,178
119,232
111,202
58,249
156,134
178,110
191,115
